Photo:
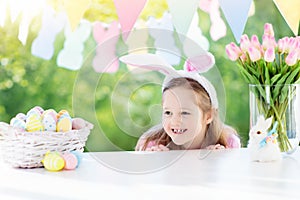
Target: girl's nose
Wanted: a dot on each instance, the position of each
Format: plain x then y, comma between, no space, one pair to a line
176,120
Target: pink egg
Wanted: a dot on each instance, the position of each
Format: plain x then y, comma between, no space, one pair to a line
50,113
70,161
21,116
39,109
17,123
78,123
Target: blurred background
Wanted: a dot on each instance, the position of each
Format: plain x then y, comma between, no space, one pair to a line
122,103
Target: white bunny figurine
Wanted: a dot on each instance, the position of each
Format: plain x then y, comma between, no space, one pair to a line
263,144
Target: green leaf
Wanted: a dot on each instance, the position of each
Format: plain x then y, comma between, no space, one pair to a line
279,85
275,78
253,71
246,74
290,79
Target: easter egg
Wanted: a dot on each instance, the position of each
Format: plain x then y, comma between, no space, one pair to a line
34,123
34,111
50,112
71,161
62,112
17,123
21,116
39,109
78,123
64,124
78,155
49,123
53,161
49,120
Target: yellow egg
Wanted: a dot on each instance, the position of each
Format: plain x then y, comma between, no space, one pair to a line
34,123
64,124
53,161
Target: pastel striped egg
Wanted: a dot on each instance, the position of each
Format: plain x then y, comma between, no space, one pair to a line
21,116
34,123
53,161
35,112
64,124
62,112
71,161
39,109
78,155
18,123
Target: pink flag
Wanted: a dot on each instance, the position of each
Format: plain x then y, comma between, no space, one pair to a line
128,12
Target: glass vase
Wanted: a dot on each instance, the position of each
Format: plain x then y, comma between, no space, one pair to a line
282,102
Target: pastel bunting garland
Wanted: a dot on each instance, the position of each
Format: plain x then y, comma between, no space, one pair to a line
182,13
52,24
290,10
128,12
70,56
162,32
236,14
106,38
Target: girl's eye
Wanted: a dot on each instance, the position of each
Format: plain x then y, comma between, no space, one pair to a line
185,113
167,113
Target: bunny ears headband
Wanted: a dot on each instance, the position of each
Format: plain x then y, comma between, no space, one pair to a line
193,66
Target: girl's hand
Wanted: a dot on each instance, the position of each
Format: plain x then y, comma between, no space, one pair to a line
217,146
157,148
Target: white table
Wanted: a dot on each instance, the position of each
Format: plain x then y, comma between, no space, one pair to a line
220,174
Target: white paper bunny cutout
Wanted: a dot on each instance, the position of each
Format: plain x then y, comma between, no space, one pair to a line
263,145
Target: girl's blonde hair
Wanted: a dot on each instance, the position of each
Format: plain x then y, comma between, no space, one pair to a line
214,134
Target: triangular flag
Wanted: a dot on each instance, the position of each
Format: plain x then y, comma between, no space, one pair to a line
75,10
128,12
182,13
290,10
236,14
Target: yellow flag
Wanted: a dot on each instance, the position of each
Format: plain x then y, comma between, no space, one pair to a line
290,11
75,10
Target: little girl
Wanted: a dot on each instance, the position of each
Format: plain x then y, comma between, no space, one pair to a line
190,111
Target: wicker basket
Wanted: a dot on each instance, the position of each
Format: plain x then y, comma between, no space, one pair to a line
27,149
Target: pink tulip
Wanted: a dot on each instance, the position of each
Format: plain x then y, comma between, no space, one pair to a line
243,57
233,51
254,54
269,55
255,41
292,58
245,43
293,44
268,30
282,44
268,42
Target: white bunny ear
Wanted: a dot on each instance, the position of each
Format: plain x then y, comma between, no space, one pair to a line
263,123
200,63
149,61
268,122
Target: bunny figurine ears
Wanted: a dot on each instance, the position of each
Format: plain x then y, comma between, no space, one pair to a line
193,66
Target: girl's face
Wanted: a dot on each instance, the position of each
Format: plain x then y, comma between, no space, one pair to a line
183,120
